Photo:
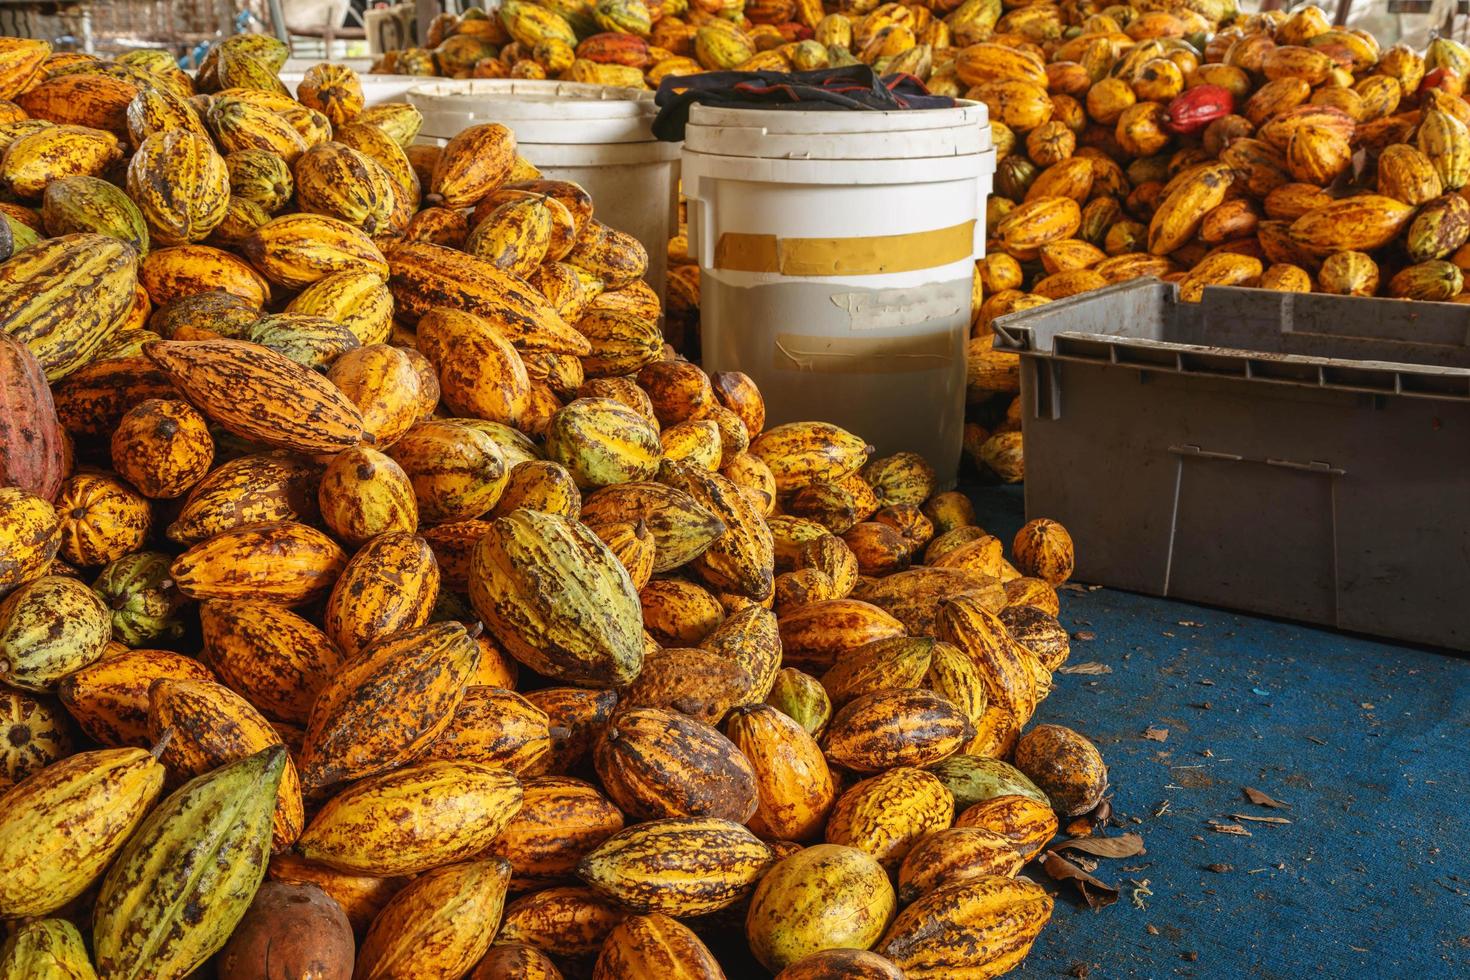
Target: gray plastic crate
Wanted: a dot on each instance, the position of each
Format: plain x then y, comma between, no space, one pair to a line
1298,455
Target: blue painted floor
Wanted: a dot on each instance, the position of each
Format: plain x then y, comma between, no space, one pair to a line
1369,743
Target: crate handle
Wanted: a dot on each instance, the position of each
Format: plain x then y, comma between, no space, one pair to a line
1198,453
1315,466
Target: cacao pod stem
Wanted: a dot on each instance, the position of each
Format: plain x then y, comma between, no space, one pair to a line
162,743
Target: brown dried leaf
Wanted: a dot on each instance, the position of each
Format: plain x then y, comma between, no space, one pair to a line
1154,734
1096,894
1090,667
1220,827
1360,164
1220,869
1122,846
1246,816
1261,799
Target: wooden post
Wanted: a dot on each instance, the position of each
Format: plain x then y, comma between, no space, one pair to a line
427,11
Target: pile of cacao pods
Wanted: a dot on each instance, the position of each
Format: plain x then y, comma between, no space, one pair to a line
1207,147
1183,139
381,598
1187,140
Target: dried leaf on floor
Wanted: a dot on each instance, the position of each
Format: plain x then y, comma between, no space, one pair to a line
1261,799
1084,636
1247,816
1221,827
1122,846
1090,667
1096,894
1220,869
1156,734
1190,622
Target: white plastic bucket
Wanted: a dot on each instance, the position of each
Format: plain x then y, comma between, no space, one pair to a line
598,136
836,252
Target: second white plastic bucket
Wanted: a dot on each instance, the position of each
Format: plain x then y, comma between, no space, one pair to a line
598,136
836,254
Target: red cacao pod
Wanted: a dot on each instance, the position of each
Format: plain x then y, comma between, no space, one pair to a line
615,49
32,447
1197,108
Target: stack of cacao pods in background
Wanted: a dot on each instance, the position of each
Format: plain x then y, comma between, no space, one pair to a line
1183,139
359,536
1270,151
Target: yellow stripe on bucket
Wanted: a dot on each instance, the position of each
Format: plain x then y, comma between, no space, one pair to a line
863,256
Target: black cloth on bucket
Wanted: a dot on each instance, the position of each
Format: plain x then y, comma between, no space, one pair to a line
852,87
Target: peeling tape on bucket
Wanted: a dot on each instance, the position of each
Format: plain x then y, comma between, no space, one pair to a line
863,256
881,309
860,355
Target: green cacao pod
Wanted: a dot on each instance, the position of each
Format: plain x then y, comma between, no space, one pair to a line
145,606
49,628
90,204
261,176
603,442
46,949
558,600
311,341
185,879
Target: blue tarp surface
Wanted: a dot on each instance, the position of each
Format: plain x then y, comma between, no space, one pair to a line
1367,741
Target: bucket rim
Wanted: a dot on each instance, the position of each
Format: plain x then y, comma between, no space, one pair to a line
533,97
785,122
